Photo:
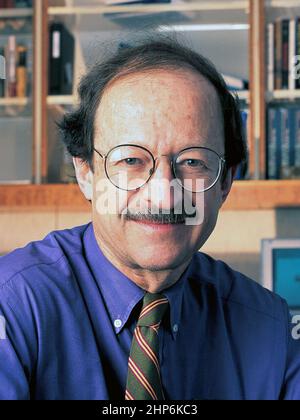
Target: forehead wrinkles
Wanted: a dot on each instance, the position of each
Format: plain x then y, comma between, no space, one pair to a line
161,91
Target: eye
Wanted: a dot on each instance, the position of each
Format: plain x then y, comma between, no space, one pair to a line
132,161
193,163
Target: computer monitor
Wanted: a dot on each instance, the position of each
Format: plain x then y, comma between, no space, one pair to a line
281,269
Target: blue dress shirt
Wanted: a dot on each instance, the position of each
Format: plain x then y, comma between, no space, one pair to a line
69,316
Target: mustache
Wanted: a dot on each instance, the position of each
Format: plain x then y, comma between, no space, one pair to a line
159,216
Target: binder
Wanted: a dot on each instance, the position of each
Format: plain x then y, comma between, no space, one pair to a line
61,60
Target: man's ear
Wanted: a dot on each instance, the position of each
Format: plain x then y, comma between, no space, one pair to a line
227,182
84,177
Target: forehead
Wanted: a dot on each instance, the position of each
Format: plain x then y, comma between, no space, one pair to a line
159,104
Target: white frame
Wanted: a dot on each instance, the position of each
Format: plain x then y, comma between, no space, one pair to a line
267,247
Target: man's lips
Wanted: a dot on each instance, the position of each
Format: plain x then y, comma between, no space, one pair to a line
158,226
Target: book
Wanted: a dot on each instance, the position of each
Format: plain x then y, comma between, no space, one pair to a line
283,54
297,144
286,155
273,143
278,55
283,142
61,60
292,54
297,82
285,24
2,72
17,62
21,89
270,63
241,171
11,81
11,4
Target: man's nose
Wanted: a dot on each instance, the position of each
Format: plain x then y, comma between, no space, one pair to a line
162,190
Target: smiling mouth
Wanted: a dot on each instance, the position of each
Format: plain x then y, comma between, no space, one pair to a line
157,219
151,226
153,222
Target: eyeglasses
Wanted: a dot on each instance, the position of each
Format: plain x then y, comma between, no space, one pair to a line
129,167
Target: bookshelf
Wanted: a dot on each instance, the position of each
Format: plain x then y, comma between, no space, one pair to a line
256,193
16,118
14,101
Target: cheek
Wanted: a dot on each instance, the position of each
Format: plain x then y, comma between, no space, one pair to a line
212,204
207,205
109,201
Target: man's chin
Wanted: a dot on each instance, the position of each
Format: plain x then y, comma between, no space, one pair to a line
161,260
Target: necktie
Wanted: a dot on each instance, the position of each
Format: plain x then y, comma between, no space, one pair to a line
143,378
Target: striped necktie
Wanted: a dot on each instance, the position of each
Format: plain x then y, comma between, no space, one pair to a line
143,378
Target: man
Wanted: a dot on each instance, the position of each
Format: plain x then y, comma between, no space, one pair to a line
126,307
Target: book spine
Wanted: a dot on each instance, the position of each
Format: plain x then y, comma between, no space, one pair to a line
297,81
297,142
278,143
285,54
67,68
278,55
272,144
22,4
21,73
55,59
242,167
292,132
11,67
10,4
285,164
292,54
2,72
270,57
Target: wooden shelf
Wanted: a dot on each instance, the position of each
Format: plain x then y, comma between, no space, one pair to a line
52,197
16,12
282,3
151,8
283,94
61,100
245,195
14,101
263,195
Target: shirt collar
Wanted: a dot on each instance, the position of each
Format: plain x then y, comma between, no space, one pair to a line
120,293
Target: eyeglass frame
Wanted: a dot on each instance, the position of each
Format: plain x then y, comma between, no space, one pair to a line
222,163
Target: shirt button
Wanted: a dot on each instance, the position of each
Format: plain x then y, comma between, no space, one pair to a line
175,328
117,323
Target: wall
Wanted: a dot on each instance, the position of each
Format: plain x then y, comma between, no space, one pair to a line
235,240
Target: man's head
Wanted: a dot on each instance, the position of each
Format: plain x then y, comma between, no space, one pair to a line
161,99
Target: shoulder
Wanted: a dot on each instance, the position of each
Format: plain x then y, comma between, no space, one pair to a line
236,289
23,264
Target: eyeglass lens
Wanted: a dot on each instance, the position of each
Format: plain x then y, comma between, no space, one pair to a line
130,167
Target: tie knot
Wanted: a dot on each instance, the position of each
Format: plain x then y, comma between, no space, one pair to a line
153,310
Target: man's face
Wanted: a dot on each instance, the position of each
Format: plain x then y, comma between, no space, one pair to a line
164,111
